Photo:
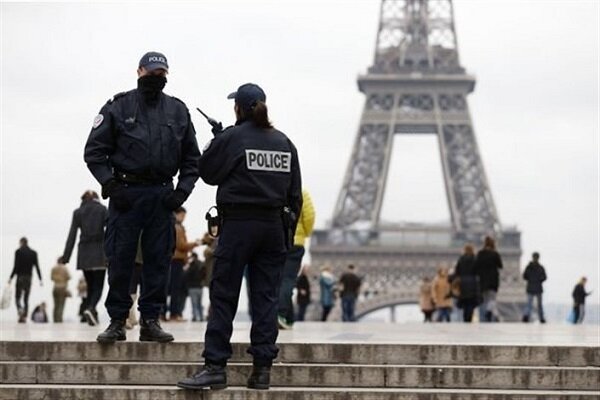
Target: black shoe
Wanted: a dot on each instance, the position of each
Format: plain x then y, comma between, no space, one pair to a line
114,332
213,376
90,318
542,321
150,331
260,378
525,318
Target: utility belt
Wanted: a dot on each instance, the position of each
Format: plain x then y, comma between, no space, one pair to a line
127,177
251,211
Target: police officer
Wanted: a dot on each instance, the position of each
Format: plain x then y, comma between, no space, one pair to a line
139,141
258,175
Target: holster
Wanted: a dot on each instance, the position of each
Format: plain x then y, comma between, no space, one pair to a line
214,221
288,218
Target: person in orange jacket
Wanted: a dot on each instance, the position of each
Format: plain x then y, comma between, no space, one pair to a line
177,292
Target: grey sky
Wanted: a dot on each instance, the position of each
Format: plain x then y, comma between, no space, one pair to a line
535,108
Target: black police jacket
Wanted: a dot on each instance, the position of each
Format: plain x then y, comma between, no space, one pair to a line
253,166
152,142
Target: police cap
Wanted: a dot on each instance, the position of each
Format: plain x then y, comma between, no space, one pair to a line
154,60
248,95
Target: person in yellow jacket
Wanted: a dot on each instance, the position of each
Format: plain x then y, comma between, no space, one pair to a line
306,222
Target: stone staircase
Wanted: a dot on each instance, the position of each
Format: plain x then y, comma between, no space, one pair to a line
318,371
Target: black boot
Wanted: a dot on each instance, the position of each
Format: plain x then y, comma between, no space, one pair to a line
114,332
260,378
212,375
150,331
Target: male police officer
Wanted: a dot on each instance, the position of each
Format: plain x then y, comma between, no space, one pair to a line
256,168
138,142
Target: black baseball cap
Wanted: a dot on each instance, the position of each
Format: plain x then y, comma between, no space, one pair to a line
248,95
154,60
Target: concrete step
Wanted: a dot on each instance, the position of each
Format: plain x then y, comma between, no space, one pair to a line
345,353
315,375
78,392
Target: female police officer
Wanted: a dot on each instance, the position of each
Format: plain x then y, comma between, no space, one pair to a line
258,175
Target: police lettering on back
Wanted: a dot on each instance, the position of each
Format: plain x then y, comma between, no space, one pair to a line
265,160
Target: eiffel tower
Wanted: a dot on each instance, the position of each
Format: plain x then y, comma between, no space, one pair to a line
415,86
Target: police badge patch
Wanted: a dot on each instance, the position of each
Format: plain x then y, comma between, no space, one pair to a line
98,121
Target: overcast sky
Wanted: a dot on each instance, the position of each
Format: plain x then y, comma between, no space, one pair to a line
534,109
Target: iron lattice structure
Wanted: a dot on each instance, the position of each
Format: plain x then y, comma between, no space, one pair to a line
416,85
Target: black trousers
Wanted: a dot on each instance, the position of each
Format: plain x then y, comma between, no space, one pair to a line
289,275
22,292
325,313
260,245
123,230
175,289
94,279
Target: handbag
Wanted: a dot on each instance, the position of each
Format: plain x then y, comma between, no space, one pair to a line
6,296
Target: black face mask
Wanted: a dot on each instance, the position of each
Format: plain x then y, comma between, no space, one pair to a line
150,87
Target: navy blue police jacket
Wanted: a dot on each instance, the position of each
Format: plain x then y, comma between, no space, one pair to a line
150,141
253,166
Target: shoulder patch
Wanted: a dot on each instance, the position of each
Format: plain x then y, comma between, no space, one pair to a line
98,119
266,160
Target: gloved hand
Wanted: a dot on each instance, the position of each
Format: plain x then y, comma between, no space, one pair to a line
116,192
175,199
217,127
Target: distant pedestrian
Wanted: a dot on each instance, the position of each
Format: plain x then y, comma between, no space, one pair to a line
25,260
467,281
350,283
90,220
82,293
425,300
39,314
579,295
488,265
194,277
210,243
535,275
177,293
291,267
440,293
327,286
60,276
209,256
303,293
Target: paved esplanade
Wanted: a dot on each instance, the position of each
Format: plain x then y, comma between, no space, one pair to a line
337,332
317,361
